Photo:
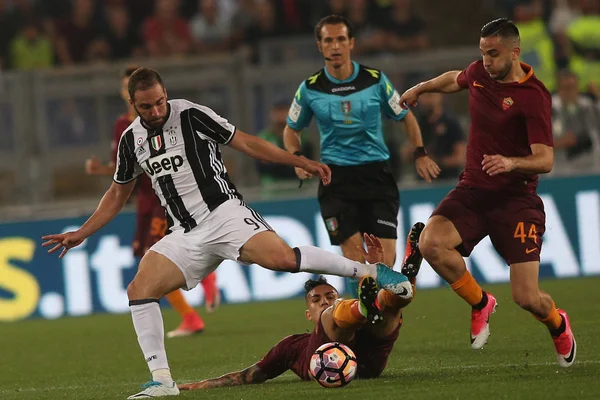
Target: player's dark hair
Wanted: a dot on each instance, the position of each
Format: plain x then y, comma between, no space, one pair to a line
143,79
313,283
334,20
128,71
502,27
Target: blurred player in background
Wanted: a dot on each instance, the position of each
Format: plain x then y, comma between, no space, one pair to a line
347,100
510,143
151,224
368,325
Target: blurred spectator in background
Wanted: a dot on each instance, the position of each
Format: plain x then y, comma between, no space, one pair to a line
211,28
166,33
76,33
369,38
537,46
442,135
575,126
294,15
265,26
5,35
243,17
334,7
122,37
31,49
405,30
583,35
273,174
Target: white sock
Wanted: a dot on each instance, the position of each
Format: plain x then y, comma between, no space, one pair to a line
148,324
319,261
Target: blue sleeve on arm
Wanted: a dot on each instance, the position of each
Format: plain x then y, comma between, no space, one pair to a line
390,99
300,113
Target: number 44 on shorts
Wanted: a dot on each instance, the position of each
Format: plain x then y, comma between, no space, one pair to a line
520,232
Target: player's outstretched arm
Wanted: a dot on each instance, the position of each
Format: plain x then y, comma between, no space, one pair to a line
445,83
262,150
293,144
112,202
250,375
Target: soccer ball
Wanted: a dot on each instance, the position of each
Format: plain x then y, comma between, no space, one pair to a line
333,365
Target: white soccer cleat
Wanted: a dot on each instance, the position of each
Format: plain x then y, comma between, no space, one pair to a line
156,389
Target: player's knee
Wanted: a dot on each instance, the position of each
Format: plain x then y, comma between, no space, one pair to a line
430,244
133,291
137,290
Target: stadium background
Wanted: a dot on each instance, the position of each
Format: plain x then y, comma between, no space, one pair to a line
53,116
59,81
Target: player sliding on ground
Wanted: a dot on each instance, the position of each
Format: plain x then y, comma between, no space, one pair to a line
510,143
176,143
369,326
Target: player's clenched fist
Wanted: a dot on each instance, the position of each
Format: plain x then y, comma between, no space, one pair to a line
410,97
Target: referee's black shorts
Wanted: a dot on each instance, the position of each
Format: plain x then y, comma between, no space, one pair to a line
362,198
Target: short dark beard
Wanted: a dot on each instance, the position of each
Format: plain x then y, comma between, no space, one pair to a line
150,124
504,73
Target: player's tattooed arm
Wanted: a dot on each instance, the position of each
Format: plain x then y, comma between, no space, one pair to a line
250,375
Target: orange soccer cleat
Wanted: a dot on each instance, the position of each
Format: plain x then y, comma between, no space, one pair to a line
191,324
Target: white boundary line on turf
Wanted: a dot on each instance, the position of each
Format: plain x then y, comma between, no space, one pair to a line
442,367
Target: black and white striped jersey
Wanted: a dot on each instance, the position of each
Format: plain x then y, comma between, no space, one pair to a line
182,160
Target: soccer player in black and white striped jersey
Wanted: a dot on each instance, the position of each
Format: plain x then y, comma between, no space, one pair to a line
176,143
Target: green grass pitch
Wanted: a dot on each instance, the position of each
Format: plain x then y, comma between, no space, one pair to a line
98,357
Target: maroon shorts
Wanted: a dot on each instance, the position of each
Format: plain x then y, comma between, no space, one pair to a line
373,352
515,222
150,228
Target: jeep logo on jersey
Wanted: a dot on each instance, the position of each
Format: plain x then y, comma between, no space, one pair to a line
165,165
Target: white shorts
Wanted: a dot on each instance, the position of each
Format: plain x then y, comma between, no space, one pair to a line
219,237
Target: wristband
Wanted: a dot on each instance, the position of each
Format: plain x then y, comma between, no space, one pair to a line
419,152
298,153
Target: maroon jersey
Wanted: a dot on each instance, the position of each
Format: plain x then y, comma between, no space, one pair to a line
294,353
506,119
147,201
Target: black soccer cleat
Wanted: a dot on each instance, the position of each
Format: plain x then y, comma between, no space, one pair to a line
367,297
413,257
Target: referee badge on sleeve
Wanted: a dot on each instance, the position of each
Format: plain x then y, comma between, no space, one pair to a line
332,225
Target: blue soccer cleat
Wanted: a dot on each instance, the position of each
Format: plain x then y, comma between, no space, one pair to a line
393,282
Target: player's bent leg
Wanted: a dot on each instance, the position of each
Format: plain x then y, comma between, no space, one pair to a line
438,242
212,296
270,251
351,249
345,317
156,276
526,293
